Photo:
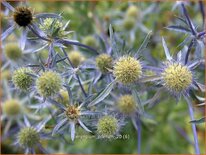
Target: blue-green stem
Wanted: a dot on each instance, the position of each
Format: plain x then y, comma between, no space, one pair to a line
191,112
139,130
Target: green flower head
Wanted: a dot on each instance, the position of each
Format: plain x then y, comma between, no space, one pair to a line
132,11
127,70
52,24
90,41
76,58
13,51
126,104
104,62
28,137
177,77
129,23
107,126
49,83
11,107
21,79
64,98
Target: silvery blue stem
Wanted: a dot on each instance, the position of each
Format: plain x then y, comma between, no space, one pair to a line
191,112
188,51
139,129
77,76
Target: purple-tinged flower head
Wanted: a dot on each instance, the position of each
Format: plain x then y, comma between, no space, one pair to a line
23,16
71,115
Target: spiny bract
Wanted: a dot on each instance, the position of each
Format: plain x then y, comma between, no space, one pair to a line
13,51
104,62
21,79
107,126
49,83
76,58
22,16
49,24
11,107
28,137
177,77
126,104
127,70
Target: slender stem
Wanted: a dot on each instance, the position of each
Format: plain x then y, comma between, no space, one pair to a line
77,76
139,130
191,112
188,52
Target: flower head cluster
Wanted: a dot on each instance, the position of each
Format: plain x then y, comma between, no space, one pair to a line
177,77
21,79
23,16
28,137
127,70
11,107
76,58
104,62
13,51
126,104
49,83
107,126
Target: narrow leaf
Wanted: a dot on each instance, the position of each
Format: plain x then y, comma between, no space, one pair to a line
102,95
167,52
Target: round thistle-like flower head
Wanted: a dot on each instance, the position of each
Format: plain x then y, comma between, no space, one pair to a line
64,98
90,41
11,107
129,23
13,51
107,126
177,77
49,83
76,58
127,70
22,16
28,137
104,62
72,112
132,11
126,104
22,80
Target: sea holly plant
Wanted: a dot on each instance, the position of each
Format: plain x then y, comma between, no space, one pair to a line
59,91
